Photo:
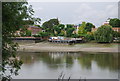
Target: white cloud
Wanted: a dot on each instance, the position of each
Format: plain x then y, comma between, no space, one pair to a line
97,15
75,13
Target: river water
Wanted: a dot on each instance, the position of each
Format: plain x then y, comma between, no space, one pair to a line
49,65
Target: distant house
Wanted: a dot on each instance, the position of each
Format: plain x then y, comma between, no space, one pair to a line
34,29
116,29
76,28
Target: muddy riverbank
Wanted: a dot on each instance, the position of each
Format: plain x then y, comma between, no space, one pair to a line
54,47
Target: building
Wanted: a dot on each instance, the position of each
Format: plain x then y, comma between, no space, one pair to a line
116,29
34,29
76,28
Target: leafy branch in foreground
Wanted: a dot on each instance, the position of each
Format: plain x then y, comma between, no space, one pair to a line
14,15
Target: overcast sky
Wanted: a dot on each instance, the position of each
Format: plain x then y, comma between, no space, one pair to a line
76,12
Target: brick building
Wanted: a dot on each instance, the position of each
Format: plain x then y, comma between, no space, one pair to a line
34,29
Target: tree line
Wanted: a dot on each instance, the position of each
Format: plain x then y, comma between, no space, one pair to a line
104,33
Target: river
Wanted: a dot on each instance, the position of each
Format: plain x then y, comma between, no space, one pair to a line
49,65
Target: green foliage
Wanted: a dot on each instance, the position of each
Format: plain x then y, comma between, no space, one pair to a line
81,29
28,22
104,34
43,34
35,35
89,27
37,25
28,33
69,26
69,30
89,37
116,34
58,30
48,26
14,15
115,22
75,36
62,34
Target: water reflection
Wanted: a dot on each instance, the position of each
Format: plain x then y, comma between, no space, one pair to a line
76,62
109,60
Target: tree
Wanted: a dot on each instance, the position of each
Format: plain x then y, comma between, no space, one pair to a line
116,34
114,22
43,34
28,33
37,26
81,29
89,27
75,35
62,33
69,30
104,34
89,36
48,25
58,29
13,16
28,22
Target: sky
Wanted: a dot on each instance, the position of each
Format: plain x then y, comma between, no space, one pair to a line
75,11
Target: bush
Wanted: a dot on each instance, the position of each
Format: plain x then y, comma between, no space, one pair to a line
104,34
43,34
89,37
28,33
35,35
75,35
116,34
62,33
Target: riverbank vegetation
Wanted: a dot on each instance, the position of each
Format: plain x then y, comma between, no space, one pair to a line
103,34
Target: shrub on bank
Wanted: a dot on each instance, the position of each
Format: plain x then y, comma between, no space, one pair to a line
104,34
43,34
28,33
89,37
